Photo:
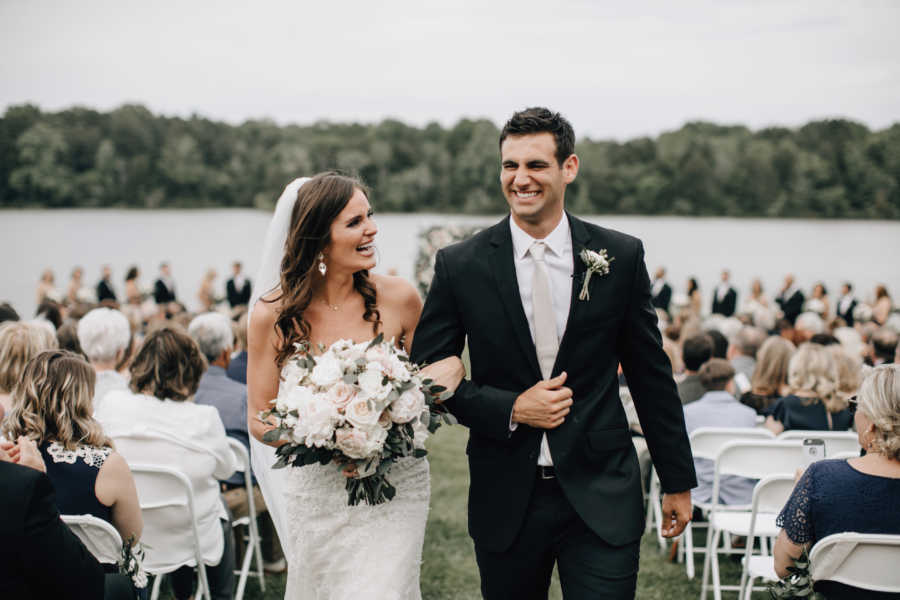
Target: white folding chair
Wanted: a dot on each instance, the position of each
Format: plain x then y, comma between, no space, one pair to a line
769,497
705,443
167,500
98,536
753,460
252,544
864,560
836,442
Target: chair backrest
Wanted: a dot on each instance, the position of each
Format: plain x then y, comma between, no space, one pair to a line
244,467
836,442
706,442
167,506
756,459
98,536
863,560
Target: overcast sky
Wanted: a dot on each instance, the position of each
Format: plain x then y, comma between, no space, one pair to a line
616,69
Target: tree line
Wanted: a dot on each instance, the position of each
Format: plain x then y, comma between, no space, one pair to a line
131,158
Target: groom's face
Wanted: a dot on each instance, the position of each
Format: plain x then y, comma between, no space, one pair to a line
533,182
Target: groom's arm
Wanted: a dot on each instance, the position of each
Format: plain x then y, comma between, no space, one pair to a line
440,333
649,376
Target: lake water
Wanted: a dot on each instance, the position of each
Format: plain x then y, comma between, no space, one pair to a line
863,252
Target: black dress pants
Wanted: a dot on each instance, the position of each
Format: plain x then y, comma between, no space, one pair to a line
554,533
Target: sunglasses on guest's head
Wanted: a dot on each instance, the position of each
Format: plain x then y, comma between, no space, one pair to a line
852,405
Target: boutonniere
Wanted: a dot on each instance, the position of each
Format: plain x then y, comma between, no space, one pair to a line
596,262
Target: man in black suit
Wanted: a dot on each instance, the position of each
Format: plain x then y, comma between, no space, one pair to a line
238,287
164,286
554,474
724,297
661,290
40,557
105,291
846,304
791,299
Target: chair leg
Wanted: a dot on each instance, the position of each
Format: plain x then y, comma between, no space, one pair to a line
203,583
245,567
157,582
689,551
711,533
257,549
716,580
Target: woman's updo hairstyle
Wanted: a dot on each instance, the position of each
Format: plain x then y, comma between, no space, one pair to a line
812,369
319,201
879,399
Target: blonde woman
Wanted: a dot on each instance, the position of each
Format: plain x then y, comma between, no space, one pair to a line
813,402
861,494
19,343
769,381
52,406
849,372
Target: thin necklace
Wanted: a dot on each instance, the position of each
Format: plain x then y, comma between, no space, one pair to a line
334,307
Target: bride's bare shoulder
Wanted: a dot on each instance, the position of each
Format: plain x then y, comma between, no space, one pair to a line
395,291
265,311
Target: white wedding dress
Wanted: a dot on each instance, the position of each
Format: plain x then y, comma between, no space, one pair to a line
362,552
336,551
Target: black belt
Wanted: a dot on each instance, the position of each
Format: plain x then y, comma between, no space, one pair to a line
546,472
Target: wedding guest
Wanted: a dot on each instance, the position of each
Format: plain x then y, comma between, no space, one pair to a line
719,341
46,290
790,299
238,287
807,325
51,312
813,402
67,337
846,304
105,337
105,291
695,351
237,368
725,296
884,344
661,290
851,341
695,299
881,310
40,557
52,406
769,380
860,495
133,293
742,349
758,307
73,292
206,296
164,286
849,372
189,437
718,407
818,303
19,343
7,313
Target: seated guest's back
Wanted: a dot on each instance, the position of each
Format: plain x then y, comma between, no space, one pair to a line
718,408
814,402
52,406
237,368
861,494
157,422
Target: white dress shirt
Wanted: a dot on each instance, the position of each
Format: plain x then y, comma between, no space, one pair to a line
559,259
722,290
657,287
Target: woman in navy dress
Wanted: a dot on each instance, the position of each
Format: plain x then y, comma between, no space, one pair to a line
861,495
52,405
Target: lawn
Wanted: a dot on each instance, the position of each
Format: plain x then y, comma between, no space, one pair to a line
448,567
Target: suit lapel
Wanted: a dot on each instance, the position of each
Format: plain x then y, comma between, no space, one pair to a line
581,238
504,268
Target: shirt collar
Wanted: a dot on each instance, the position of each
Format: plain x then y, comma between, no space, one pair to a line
718,396
557,241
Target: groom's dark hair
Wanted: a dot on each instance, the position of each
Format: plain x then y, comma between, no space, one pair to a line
540,120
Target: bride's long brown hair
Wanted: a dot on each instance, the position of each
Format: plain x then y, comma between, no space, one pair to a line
319,201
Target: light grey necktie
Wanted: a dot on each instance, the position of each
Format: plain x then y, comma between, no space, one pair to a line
546,341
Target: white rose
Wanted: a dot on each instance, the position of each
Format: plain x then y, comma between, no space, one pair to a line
295,398
408,406
376,353
327,372
341,394
420,434
370,382
360,412
319,421
395,368
360,443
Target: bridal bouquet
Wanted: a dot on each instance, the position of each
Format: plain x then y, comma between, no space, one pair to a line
364,405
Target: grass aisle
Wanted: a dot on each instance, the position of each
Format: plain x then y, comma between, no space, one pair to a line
449,571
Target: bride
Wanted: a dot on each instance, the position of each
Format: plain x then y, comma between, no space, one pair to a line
316,287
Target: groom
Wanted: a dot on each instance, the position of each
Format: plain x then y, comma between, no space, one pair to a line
554,475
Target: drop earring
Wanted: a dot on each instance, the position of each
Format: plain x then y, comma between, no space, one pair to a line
322,267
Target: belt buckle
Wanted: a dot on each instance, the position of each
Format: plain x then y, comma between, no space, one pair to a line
546,472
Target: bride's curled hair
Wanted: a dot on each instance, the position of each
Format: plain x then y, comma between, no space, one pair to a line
319,201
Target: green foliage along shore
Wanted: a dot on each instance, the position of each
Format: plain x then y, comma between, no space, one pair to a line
131,158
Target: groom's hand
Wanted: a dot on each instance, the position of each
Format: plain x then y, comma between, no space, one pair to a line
544,405
676,513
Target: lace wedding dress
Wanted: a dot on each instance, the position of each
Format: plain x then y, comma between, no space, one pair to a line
341,552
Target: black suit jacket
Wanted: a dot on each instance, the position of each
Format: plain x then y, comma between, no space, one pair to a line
475,295
105,291
727,305
791,307
236,297
846,316
663,298
161,292
39,556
